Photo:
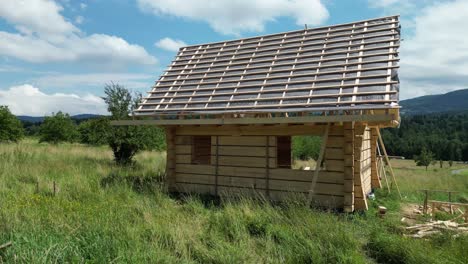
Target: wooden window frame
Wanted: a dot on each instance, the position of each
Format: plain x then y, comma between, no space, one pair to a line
201,145
283,149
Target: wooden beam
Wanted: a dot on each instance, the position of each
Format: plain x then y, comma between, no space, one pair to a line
318,164
349,167
249,120
382,168
267,167
170,158
217,165
388,163
360,201
375,180
253,130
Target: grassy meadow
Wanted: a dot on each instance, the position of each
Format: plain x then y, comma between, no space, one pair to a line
101,213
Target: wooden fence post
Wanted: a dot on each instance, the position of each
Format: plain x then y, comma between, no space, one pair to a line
425,201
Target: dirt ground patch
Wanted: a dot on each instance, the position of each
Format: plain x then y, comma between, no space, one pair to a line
411,213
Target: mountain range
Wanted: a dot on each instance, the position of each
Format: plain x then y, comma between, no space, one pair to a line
456,101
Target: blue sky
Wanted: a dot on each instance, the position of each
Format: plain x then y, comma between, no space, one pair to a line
58,54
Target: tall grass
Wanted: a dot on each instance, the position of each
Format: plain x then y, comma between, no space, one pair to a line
102,213
412,180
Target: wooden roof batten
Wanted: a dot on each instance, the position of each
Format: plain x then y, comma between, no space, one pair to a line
334,73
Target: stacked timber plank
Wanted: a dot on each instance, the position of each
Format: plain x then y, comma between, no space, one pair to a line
436,227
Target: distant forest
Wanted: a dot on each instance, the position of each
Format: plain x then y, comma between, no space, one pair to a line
444,134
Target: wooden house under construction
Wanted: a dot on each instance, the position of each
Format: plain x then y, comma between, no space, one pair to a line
230,109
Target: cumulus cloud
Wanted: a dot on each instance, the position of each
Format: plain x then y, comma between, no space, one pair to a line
29,100
83,6
435,58
129,80
234,17
79,20
36,16
385,3
44,35
170,44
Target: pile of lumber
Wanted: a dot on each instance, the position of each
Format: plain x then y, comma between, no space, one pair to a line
436,227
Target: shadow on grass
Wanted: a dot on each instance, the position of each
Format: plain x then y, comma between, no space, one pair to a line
210,201
145,183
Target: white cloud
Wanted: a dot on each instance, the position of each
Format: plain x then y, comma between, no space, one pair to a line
234,17
97,48
170,44
385,3
36,16
83,6
435,58
129,80
79,20
29,100
45,36
9,68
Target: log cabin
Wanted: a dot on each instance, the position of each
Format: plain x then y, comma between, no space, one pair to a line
231,108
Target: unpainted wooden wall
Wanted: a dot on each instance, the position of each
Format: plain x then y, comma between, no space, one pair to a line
241,167
243,160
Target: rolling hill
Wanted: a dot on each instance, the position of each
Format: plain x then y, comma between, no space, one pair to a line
456,101
39,119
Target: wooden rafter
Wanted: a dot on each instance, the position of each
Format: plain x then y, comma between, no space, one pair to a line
335,66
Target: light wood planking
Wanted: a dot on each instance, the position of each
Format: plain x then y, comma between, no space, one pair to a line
171,158
245,141
375,178
260,184
360,202
318,199
245,151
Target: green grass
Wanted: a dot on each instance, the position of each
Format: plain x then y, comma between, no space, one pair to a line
413,179
103,213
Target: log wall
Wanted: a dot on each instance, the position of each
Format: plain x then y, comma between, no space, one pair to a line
366,161
247,164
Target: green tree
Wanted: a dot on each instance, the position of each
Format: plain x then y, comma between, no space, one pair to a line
58,128
126,141
425,158
306,147
11,128
95,131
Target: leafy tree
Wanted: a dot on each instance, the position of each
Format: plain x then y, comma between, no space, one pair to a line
58,128
444,134
425,158
126,141
11,128
450,163
95,131
306,147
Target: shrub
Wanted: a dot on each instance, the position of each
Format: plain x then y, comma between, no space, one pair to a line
95,131
126,141
425,158
306,147
58,128
11,128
